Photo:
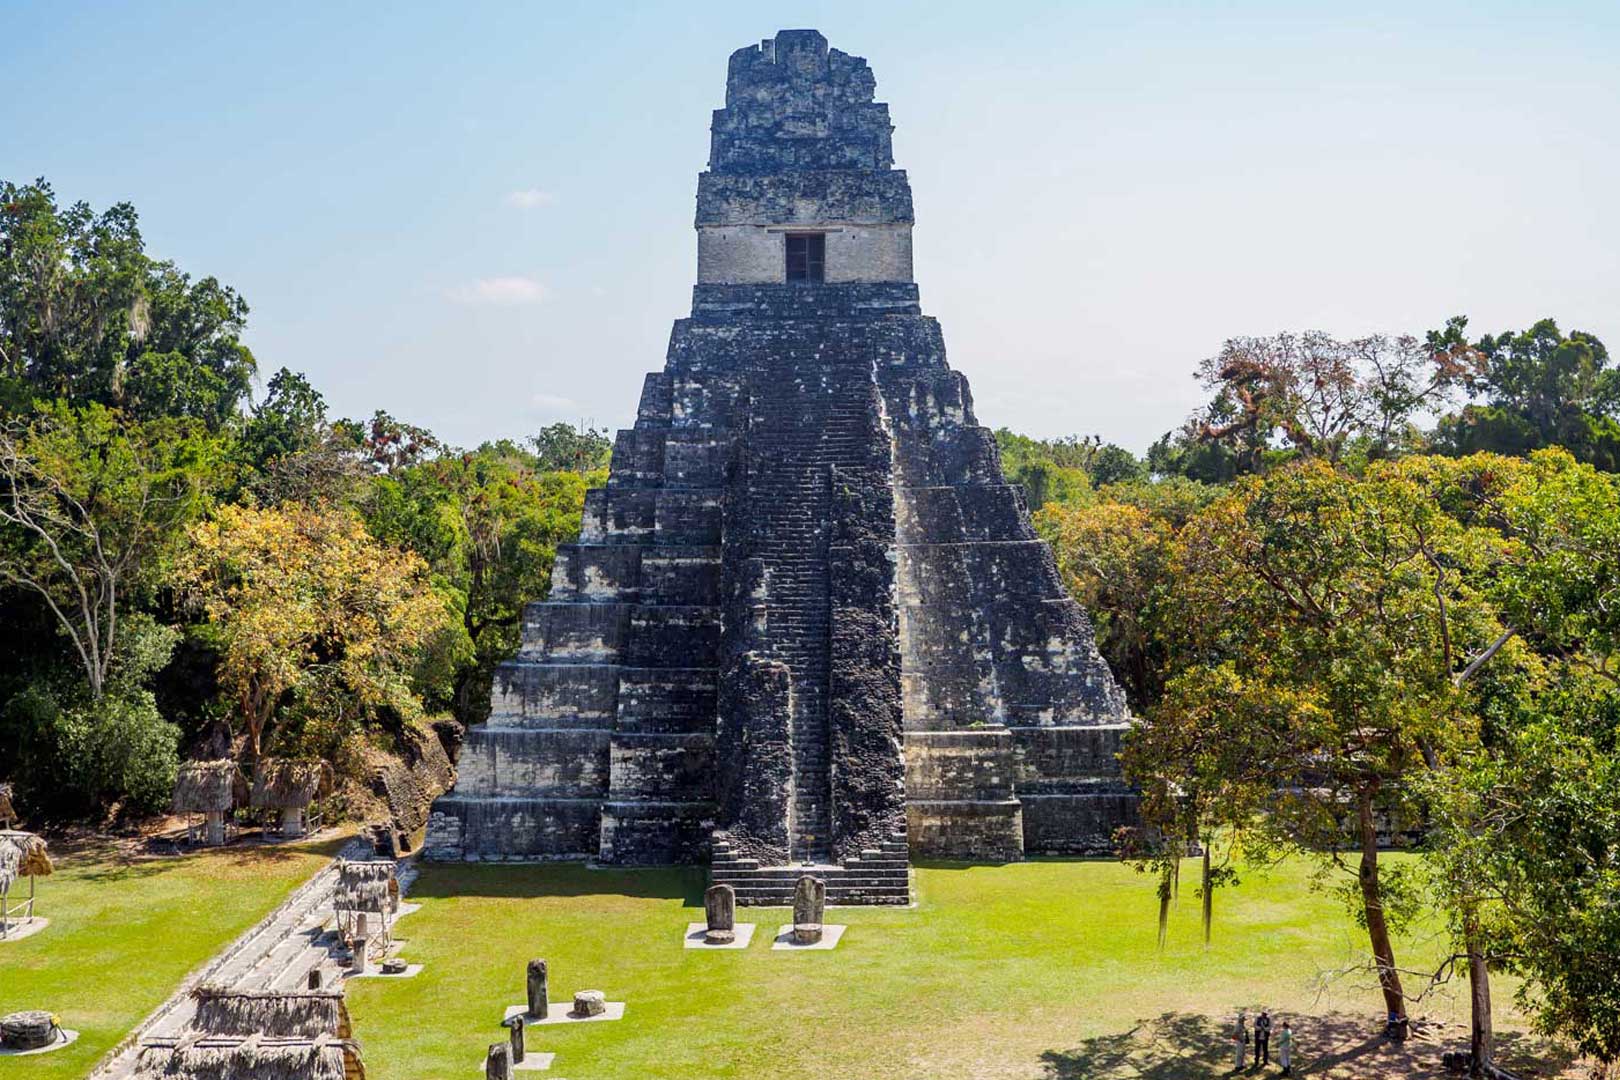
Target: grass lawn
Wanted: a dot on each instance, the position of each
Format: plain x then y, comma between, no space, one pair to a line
125,931
1045,969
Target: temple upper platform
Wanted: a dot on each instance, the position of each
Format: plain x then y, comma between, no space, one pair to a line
801,186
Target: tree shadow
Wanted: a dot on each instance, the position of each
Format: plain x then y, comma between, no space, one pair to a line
527,881
104,859
1193,1046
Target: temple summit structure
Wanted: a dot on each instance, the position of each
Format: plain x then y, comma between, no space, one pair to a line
807,621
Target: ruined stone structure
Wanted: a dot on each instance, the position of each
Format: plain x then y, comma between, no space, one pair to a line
807,620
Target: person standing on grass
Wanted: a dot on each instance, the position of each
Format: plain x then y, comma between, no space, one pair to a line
1285,1049
1240,1041
1262,1039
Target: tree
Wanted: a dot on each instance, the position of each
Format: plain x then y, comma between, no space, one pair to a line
291,420
90,506
1359,597
1320,397
488,523
291,453
1063,470
306,603
87,317
391,445
1541,388
563,447
1527,829
1115,560
1202,762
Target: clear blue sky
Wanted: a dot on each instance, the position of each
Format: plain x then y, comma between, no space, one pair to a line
478,216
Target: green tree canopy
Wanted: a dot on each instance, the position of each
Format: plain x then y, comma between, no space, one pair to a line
86,316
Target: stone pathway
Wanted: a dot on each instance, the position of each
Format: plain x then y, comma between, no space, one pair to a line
276,954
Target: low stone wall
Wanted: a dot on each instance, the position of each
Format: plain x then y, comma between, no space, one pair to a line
1076,823
500,829
960,800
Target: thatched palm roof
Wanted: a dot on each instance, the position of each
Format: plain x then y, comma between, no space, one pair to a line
8,814
286,784
22,854
203,786
366,885
256,1057
304,1014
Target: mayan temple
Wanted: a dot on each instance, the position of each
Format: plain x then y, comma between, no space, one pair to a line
807,621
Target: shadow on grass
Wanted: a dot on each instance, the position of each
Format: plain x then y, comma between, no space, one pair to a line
532,880
111,859
1192,1046
972,864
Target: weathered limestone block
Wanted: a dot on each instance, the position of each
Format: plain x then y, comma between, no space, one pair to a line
515,1033
547,694
662,767
589,1003
596,573
644,832
754,756
809,907
26,1030
720,914
667,700
576,632
537,988
498,1062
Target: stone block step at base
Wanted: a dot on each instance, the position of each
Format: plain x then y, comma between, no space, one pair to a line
850,884
835,897
792,874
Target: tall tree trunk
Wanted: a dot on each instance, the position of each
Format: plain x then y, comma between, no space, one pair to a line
1482,1039
1209,894
1164,901
1372,901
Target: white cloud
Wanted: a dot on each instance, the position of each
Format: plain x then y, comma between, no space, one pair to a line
552,403
508,291
529,198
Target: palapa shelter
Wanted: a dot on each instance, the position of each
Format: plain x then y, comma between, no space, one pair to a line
22,854
212,789
250,1057
258,1035
286,1014
366,887
8,813
290,786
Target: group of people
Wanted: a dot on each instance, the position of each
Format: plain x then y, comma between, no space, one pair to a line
1262,1043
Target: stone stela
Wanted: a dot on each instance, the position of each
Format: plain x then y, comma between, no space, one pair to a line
720,915
807,625
809,906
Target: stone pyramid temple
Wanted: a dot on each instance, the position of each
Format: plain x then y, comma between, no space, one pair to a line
807,620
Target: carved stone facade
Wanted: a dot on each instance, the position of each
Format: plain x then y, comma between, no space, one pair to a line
807,620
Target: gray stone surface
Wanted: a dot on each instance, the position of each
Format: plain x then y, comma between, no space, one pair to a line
536,984
720,914
561,1013
697,937
498,1062
515,1036
787,939
807,621
589,1003
809,904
